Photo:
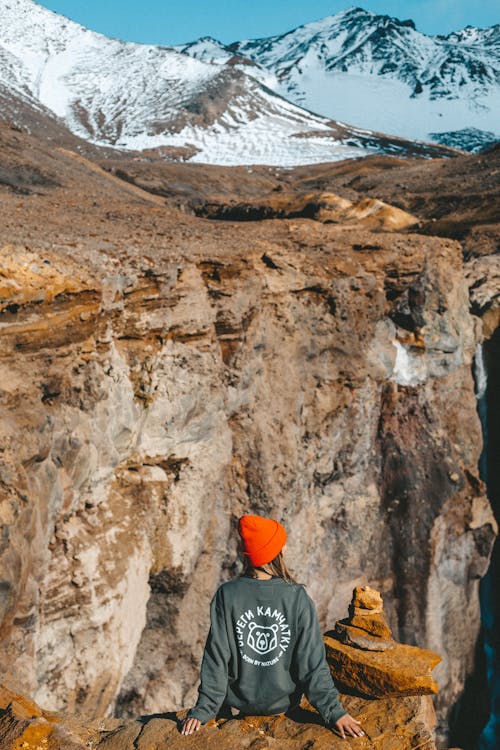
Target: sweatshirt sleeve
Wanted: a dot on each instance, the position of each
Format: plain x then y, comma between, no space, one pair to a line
214,665
312,667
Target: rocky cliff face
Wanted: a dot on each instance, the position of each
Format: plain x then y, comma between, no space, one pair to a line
162,374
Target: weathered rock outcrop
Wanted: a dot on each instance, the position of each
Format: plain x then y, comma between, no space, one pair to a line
389,724
402,723
366,626
365,658
161,375
323,206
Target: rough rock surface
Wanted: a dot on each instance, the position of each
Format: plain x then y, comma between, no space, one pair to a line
389,724
401,670
161,374
457,198
366,659
322,206
366,626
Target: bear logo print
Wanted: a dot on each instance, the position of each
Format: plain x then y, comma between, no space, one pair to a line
261,641
262,638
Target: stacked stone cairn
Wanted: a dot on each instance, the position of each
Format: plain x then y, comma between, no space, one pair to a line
365,659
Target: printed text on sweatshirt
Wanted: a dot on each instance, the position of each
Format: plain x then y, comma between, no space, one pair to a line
263,650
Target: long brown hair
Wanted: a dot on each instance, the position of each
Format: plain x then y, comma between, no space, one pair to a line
277,567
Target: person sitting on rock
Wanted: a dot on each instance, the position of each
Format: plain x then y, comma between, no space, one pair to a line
264,647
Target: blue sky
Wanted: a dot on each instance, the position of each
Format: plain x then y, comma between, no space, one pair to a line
166,22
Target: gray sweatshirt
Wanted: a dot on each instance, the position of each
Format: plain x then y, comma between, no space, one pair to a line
263,650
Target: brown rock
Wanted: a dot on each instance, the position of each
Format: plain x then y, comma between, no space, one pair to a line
401,670
364,597
366,626
405,670
25,726
359,637
161,373
373,623
325,207
389,724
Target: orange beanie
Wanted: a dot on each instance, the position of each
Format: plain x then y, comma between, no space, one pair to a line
262,538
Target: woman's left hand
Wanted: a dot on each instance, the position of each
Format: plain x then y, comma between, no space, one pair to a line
190,725
349,724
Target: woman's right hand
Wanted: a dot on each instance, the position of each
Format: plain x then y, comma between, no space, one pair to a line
190,725
347,723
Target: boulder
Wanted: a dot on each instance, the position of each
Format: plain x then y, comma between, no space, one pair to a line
366,626
366,658
401,670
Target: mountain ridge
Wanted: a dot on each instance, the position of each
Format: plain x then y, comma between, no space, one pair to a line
347,65
139,97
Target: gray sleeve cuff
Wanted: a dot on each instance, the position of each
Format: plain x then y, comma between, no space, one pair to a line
335,716
198,713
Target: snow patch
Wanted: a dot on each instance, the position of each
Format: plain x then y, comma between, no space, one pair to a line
378,72
480,373
409,368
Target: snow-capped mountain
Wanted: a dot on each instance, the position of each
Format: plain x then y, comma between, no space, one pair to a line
210,50
137,96
377,72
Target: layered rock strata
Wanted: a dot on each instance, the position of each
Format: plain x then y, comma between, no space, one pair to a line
366,626
326,207
162,374
365,658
